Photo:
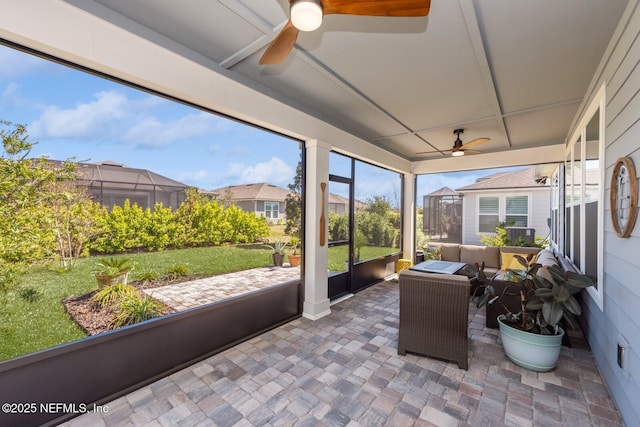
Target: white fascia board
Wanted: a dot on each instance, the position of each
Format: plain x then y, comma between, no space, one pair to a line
514,157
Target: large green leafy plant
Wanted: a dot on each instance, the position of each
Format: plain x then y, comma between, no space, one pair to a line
545,299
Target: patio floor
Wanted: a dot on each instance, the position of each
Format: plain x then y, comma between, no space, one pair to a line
182,296
344,370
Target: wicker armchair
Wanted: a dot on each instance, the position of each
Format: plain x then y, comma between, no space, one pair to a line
434,315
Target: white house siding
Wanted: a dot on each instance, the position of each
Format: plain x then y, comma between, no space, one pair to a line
619,320
539,212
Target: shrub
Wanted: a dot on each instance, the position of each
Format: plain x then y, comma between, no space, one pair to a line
499,238
135,309
177,270
112,294
338,226
159,228
147,275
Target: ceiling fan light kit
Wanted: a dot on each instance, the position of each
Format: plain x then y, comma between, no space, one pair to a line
306,15
459,148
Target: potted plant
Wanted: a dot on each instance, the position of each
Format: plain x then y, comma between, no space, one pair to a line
113,270
279,246
532,337
294,258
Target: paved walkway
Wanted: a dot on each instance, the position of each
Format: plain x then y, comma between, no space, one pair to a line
182,296
344,370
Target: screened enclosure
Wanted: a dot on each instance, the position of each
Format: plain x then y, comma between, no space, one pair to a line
442,217
112,183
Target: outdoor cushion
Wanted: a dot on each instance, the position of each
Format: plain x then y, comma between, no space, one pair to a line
472,254
448,251
546,257
509,261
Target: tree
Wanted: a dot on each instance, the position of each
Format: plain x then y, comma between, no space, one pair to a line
379,205
293,202
73,219
27,186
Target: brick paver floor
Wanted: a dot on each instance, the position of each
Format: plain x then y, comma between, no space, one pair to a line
344,370
192,294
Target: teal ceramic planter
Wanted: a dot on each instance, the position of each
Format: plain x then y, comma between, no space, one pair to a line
535,352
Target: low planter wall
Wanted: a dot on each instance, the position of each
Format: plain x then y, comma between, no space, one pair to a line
53,385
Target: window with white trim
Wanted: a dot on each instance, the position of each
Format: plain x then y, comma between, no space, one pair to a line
488,213
584,193
517,210
271,209
493,209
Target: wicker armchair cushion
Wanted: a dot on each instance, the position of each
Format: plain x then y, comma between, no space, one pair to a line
434,315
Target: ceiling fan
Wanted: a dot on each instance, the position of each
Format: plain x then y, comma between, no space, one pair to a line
459,149
306,15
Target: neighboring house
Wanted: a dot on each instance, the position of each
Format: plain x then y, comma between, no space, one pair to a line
112,183
269,200
263,199
517,196
339,204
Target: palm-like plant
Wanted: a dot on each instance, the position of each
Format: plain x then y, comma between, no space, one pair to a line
278,246
113,265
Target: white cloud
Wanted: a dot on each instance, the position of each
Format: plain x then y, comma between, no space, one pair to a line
152,132
100,119
10,98
111,115
194,178
275,171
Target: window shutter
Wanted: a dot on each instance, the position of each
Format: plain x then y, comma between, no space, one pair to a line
488,211
489,205
517,205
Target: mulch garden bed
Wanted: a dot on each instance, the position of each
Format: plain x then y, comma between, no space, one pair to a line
94,320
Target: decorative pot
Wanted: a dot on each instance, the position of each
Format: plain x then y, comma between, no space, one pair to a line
111,279
278,259
294,260
535,352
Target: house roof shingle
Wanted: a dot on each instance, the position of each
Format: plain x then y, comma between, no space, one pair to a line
518,179
444,191
258,191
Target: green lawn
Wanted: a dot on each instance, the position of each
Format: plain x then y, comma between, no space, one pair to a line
26,327
29,326
339,254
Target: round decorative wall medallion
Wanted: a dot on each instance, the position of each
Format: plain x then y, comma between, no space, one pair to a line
624,196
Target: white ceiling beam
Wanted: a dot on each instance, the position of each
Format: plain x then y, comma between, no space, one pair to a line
513,157
473,29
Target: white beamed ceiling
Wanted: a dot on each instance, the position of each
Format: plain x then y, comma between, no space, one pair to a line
515,71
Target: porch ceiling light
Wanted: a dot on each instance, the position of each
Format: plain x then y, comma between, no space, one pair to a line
306,15
457,153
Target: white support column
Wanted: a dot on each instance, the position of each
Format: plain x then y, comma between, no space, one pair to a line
316,288
409,210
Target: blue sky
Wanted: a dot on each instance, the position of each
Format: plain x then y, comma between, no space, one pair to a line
72,114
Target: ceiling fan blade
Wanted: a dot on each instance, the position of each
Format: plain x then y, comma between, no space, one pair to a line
471,151
436,151
281,46
475,142
377,7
